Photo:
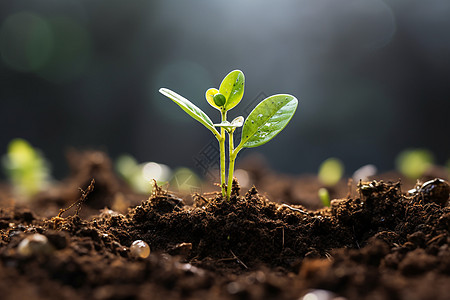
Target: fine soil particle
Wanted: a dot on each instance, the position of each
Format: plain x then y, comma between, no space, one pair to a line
377,243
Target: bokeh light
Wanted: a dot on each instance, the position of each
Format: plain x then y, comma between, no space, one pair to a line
26,41
71,53
371,76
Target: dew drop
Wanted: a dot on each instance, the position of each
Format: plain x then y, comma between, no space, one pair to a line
260,115
140,249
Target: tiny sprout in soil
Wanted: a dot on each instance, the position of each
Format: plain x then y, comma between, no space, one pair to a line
266,120
324,197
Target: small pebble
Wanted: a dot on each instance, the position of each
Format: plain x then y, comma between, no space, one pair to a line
234,288
34,244
436,190
140,249
321,295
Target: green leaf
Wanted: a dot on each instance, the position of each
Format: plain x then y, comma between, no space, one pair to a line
237,122
190,108
210,97
267,119
232,87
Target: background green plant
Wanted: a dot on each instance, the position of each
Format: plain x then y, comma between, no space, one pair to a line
26,168
413,163
331,171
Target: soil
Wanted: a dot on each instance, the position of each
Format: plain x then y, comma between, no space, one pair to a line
376,241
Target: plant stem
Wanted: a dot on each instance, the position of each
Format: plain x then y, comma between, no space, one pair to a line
222,155
232,155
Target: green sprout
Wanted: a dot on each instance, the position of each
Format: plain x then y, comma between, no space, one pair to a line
331,171
413,163
324,197
266,120
26,168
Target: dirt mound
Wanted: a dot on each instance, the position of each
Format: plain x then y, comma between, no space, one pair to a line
382,244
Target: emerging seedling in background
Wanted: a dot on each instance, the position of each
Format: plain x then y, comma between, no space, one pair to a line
331,171
324,197
413,163
26,168
266,120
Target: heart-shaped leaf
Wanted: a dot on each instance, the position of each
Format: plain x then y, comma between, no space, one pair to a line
210,97
190,108
267,119
232,87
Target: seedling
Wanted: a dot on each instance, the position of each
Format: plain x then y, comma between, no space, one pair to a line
413,163
26,168
266,120
324,196
331,171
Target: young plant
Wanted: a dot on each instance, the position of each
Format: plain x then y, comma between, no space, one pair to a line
266,120
26,168
413,163
331,171
324,197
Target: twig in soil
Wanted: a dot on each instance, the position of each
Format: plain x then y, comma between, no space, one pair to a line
238,260
400,187
157,190
359,189
80,201
234,258
436,238
293,208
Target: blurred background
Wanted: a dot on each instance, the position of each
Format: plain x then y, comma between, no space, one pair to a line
372,77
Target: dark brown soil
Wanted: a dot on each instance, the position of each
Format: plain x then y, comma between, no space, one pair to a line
377,243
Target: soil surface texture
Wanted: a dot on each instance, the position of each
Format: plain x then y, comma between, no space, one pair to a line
377,241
